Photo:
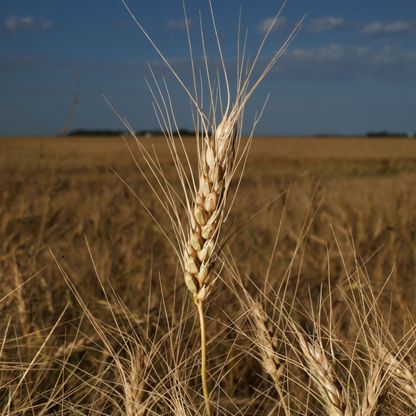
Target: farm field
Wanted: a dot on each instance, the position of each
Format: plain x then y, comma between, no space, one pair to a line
69,207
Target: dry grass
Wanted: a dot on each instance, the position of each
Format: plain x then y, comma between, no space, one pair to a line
102,240
118,337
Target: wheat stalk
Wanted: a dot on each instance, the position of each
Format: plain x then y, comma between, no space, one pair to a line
204,199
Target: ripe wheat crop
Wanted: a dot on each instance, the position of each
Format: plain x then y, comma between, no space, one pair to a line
199,278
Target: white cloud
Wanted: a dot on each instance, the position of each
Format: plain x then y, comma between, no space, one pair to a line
179,24
333,52
349,61
324,24
26,23
275,24
398,26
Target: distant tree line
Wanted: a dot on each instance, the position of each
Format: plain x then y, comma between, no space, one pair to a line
109,132
95,132
187,132
384,133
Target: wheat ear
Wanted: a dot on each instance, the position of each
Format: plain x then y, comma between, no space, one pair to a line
401,376
372,391
137,377
267,343
323,375
216,163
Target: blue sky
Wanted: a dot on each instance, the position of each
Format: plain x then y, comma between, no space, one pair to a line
351,68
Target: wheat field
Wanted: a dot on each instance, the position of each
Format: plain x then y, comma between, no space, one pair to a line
312,314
